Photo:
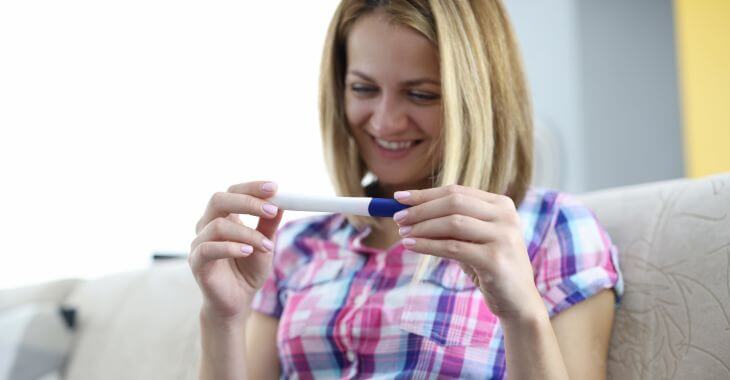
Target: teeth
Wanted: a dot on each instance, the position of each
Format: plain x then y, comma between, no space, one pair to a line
393,145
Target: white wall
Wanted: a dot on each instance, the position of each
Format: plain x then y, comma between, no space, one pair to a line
118,120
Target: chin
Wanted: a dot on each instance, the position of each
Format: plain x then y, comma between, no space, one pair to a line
395,179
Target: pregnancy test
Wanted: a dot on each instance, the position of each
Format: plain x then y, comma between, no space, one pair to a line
364,206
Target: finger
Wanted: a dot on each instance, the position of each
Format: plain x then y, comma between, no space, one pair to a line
451,204
259,189
268,227
234,218
216,250
235,201
458,227
222,229
468,253
416,197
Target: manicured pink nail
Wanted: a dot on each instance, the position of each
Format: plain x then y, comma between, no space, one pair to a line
408,242
247,249
268,187
400,215
401,195
403,231
270,209
268,244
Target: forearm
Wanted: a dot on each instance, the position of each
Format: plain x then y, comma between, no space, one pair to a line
532,350
223,347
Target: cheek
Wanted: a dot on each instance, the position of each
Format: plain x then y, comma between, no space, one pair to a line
429,119
356,111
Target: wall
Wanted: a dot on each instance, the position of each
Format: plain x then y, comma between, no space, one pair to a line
547,33
703,36
630,94
603,78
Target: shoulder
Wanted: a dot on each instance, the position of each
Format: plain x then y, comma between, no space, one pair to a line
549,203
548,215
571,253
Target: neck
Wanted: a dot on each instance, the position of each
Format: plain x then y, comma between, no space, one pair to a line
386,190
386,236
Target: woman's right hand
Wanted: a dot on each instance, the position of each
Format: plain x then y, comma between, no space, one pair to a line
229,260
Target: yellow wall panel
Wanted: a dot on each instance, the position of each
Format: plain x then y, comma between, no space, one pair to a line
703,46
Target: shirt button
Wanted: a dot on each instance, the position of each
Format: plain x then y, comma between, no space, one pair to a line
350,356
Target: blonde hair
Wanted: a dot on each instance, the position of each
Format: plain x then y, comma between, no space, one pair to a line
487,117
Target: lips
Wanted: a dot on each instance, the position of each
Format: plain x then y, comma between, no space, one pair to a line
394,145
394,149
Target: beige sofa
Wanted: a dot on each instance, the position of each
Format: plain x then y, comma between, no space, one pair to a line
674,323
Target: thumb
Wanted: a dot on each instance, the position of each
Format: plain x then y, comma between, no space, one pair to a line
268,227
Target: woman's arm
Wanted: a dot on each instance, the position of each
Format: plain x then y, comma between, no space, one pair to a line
576,341
483,231
223,347
584,334
231,262
531,349
261,350
240,349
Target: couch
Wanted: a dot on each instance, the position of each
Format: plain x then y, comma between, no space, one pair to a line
674,321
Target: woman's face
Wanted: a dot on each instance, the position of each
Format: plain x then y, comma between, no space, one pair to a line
393,99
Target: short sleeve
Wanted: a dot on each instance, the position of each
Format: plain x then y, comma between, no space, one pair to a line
576,259
269,299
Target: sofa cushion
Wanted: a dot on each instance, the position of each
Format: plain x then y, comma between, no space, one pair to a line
35,341
139,325
47,292
674,248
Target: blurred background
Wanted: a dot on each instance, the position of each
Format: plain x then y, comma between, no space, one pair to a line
118,120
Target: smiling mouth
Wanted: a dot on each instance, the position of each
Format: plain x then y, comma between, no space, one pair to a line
395,146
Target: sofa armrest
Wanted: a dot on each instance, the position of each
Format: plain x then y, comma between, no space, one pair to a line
47,292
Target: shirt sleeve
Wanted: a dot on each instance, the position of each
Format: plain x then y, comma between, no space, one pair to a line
576,259
269,299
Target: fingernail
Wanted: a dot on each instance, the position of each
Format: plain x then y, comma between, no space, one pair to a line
270,209
247,249
269,187
403,231
401,195
400,215
268,244
408,242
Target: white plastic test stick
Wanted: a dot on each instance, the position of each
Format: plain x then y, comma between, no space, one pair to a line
365,206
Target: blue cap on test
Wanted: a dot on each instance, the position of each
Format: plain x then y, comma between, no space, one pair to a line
385,207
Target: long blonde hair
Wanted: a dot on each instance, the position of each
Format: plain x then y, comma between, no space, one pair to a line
487,117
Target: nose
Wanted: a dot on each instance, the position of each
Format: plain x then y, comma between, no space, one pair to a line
389,116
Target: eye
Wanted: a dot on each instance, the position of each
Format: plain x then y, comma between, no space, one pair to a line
423,96
363,89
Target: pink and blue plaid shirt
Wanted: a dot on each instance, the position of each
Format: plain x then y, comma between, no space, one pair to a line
346,310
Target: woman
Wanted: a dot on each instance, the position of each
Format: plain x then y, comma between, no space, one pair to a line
481,277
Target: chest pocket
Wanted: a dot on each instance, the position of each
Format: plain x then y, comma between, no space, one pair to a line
448,309
311,295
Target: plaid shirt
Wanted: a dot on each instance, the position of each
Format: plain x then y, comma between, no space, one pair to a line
346,310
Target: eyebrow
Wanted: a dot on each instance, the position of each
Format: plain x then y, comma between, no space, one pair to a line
410,82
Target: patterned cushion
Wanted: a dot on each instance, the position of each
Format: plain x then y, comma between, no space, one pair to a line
673,240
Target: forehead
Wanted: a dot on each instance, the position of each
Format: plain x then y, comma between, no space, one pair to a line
390,51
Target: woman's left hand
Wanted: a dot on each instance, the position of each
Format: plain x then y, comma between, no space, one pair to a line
482,232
